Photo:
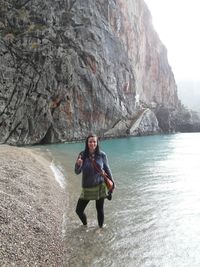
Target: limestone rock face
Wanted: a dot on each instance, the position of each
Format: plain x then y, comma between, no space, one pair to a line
187,121
69,67
144,122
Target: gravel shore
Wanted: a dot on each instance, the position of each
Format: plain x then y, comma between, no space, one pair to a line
31,210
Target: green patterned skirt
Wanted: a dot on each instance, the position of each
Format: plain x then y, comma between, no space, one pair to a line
94,193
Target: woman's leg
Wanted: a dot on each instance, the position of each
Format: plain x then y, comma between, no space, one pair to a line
80,207
100,211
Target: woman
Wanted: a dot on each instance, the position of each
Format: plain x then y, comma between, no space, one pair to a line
92,163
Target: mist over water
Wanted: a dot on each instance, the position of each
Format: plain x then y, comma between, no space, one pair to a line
154,216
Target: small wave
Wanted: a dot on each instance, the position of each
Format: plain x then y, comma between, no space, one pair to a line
60,178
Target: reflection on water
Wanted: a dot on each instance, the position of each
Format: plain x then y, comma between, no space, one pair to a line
88,246
154,217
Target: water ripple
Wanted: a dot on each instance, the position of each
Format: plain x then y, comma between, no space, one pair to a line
154,217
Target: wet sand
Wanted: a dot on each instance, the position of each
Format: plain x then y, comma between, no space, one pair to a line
31,210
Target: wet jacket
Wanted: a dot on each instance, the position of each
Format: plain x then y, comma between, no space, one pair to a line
90,176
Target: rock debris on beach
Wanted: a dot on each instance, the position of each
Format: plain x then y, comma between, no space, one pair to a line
31,210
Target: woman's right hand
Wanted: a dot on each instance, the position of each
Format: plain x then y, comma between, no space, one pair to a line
79,161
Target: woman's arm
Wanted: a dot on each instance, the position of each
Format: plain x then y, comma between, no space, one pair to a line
106,166
79,164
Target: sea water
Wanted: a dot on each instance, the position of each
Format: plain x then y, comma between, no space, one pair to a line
154,216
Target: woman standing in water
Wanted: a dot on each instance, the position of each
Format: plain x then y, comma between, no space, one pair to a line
89,162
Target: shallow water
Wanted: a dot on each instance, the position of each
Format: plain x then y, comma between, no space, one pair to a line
154,216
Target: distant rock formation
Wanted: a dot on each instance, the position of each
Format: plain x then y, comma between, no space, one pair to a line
69,67
189,94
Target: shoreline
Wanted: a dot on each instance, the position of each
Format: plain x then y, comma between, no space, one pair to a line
31,210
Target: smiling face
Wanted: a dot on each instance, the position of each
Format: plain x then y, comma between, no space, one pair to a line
92,144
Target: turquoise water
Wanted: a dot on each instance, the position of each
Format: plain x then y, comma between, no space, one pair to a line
154,217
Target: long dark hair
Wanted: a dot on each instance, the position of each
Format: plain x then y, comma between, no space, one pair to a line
97,150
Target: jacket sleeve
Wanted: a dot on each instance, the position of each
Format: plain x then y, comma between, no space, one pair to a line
77,168
106,167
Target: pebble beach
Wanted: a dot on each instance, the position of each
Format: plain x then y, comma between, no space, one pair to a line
31,210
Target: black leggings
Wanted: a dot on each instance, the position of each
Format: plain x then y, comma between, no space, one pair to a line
81,205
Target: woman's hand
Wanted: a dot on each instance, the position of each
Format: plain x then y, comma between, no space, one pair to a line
79,161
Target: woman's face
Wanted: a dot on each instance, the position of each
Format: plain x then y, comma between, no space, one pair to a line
92,144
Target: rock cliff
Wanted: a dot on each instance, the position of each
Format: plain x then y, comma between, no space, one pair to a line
68,67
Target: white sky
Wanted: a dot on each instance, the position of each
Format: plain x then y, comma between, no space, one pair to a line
177,22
